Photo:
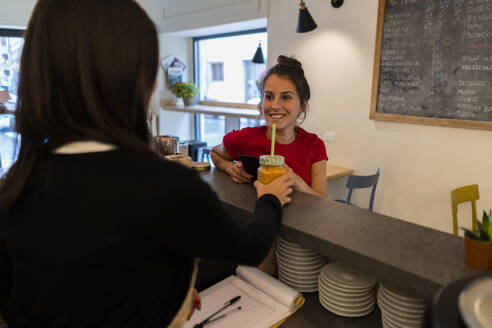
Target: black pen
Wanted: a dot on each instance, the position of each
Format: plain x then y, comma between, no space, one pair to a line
226,305
222,316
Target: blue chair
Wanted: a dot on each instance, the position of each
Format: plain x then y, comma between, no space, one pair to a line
359,182
193,148
206,153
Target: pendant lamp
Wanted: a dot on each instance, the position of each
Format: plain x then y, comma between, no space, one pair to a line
305,22
258,57
336,3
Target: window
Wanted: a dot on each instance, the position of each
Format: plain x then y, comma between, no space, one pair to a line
224,73
11,42
217,71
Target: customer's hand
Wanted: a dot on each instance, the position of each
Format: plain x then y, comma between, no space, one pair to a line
238,174
280,187
196,303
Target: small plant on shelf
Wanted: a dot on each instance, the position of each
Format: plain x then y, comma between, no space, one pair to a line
184,90
484,232
478,244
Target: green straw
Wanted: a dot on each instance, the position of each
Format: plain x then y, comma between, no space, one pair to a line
273,138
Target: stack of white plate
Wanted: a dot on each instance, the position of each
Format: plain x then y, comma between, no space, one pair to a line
298,267
399,309
346,291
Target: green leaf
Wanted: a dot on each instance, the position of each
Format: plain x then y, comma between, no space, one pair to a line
471,234
485,223
489,230
484,236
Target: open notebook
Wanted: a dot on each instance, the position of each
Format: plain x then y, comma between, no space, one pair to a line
265,302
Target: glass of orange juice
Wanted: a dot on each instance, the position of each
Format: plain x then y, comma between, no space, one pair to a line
271,167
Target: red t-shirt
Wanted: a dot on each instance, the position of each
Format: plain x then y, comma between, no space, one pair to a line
300,154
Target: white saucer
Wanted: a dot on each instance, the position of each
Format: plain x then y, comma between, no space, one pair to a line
401,306
402,295
344,297
300,261
294,266
294,247
347,276
296,282
337,310
289,243
312,273
298,253
397,319
301,279
388,323
349,291
399,312
355,304
300,288
391,321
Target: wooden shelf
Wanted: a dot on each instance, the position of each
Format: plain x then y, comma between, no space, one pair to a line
218,109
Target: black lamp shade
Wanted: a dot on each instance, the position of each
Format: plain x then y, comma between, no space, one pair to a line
258,57
336,3
305,23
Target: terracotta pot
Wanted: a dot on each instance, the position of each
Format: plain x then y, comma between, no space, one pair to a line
477,254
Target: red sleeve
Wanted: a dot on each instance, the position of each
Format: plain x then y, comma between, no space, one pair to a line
232,142
319,150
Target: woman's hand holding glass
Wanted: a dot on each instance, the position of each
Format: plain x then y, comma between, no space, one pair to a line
299,183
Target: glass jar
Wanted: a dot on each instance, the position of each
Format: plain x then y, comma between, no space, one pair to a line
183,148
271,167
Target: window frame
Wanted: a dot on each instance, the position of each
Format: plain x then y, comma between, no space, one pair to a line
15,32
231,122
12,32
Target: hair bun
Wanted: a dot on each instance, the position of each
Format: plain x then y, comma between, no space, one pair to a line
290,62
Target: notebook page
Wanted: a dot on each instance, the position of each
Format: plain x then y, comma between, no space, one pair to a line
257,309
268,285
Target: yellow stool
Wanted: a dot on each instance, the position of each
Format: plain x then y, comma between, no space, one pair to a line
461,195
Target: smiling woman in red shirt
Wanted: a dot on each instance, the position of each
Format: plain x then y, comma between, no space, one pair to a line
286,94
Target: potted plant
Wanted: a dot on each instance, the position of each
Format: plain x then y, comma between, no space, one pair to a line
187,91
478,244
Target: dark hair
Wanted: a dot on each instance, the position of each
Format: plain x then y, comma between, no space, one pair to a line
291,68
87,72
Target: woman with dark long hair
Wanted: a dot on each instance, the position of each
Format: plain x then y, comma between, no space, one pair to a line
95,229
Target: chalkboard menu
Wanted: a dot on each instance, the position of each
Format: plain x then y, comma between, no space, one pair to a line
433,63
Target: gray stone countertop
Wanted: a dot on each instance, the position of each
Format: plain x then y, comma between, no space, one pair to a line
413,258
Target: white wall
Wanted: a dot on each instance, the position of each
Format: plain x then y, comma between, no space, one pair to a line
420,164
174,123
15,12
177,16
